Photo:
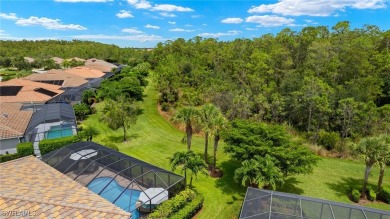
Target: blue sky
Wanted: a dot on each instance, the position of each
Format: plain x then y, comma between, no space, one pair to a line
144,23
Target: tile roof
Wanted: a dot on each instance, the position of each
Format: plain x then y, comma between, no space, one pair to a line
70,80
29,59
28,92
100,67
13,121
85,72
100,62
28,184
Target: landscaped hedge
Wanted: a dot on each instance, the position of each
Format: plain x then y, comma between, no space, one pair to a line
8,157
191,209
371,195
48,145
384,195
25,149
173,205
355,195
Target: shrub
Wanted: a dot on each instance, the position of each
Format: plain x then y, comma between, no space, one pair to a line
8,157
48,145
191,209
355,195
384,195
25,149
112,146
169,207
165,107
328,139
371,195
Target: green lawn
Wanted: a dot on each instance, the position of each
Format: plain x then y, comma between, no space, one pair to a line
155,140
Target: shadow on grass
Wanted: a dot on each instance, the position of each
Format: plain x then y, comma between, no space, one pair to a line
119,138
290,186
227,184
344,185
210,158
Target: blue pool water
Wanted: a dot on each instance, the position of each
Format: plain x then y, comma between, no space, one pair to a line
58,132
126,201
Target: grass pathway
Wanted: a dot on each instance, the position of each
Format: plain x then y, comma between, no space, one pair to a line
155,140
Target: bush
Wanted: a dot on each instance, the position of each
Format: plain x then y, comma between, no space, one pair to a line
25,149
173,205
355,195
48,145
112,146
371,195
165,107
328,139
81,110
8,157
384,195
191,209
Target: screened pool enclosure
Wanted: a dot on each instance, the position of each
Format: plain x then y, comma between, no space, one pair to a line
265,204
49,121
131,184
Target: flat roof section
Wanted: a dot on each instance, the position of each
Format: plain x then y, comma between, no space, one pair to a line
29,185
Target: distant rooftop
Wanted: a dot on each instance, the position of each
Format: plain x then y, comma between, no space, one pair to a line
69,80
85,72
28,184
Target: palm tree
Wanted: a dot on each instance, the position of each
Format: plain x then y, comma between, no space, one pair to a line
180,159
195,165
188,161
207,115
187,115
260,170
219,124
89,132
370,148
383,160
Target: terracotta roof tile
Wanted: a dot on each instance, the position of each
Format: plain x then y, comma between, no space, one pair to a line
28,93
13,121
58,60
70,80
51,194
85,72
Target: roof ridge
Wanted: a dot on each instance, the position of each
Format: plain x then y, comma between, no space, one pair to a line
59,203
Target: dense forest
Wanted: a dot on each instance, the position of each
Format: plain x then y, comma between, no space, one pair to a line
44,49
332,84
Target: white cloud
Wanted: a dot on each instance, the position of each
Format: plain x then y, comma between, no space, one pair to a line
220,34
250,29
132,31
269,20
152,27
124,14
143,4
9,16
315,8
52,24
166,14
172,22
139,38
74,1
188,25
232,20
180,30
168,7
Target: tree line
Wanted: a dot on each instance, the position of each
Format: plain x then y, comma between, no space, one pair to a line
325,82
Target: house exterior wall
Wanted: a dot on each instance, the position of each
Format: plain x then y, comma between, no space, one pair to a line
8,145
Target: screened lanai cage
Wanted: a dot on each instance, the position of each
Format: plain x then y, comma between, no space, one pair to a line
265,204
131,184
50,121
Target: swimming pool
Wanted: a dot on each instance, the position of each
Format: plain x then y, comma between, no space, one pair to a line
126,201
58,132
